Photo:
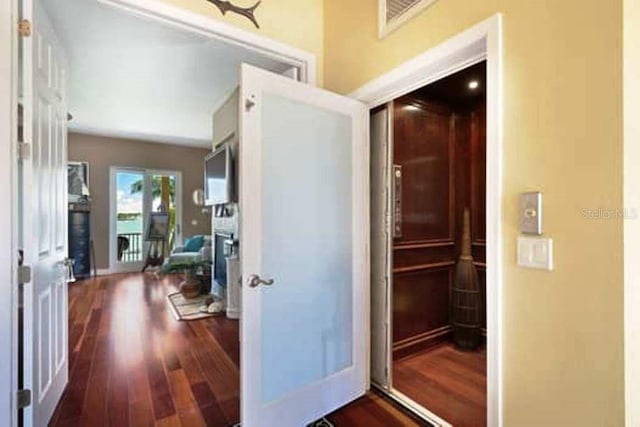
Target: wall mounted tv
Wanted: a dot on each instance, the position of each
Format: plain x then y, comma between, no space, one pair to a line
218,176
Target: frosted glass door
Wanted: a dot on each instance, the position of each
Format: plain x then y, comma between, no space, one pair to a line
303,172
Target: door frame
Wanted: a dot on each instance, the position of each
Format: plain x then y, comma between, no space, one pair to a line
114,266
481,42
161,11
156,10
9,216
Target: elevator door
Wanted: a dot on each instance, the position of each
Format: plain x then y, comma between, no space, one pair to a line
381,148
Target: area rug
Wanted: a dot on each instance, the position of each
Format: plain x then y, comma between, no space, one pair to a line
189,308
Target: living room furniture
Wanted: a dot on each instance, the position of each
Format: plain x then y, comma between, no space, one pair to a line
195,248
79,236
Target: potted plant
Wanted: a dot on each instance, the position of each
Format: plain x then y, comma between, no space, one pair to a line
191,286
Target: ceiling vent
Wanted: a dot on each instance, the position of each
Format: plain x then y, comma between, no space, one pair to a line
394,13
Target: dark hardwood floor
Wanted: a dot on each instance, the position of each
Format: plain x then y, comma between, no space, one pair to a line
133,364
449,382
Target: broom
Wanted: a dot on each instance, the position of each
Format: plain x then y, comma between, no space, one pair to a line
465,295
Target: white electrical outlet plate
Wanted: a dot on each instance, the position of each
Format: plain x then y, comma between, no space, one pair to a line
535,252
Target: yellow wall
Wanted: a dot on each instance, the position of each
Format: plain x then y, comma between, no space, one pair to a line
632,201
563,347
298,23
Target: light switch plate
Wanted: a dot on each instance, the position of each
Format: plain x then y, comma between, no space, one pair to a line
531,213
535,252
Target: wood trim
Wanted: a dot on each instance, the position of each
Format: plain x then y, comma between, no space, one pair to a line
452,177
420,342
482,265
482,243
428,244
422,267
473,134
435,107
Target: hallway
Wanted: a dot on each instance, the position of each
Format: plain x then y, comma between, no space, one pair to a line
133,364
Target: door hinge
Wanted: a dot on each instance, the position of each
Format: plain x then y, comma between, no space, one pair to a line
24,28
249,104
24,274
24,150
24,398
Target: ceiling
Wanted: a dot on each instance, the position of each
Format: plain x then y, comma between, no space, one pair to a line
136,78
455,88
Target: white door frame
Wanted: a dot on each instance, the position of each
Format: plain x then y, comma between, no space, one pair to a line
156,10
481,42
114,266
161,11
8,216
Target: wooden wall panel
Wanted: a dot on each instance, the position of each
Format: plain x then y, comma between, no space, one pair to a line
407,256
478,119
478,167
442,153
424,255
426,156
420,308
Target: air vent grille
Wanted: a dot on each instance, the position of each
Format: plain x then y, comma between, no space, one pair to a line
395,8
394,13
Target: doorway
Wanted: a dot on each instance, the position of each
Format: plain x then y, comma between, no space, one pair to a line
135,193
437,161
252,50
474,46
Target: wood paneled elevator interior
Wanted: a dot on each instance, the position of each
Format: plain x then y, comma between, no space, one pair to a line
436,163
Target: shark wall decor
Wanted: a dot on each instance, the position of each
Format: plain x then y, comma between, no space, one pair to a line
248,12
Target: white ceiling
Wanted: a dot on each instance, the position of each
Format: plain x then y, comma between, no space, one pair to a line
136,78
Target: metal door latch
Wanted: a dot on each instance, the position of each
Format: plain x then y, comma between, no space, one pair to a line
254,281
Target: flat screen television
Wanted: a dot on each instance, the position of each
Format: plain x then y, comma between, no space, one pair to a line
218,176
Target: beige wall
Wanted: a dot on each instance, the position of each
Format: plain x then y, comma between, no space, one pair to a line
102,153
563,344
298,23
632,202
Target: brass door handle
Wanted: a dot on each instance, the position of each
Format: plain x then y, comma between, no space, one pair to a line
254,281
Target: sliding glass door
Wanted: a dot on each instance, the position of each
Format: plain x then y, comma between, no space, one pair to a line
135,193
129,216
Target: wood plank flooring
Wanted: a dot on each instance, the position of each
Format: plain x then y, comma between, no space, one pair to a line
449,382
133,364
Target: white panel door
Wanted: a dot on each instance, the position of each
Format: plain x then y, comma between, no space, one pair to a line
304,209
44,215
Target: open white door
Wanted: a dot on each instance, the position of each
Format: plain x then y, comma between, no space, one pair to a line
304,200
44,215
